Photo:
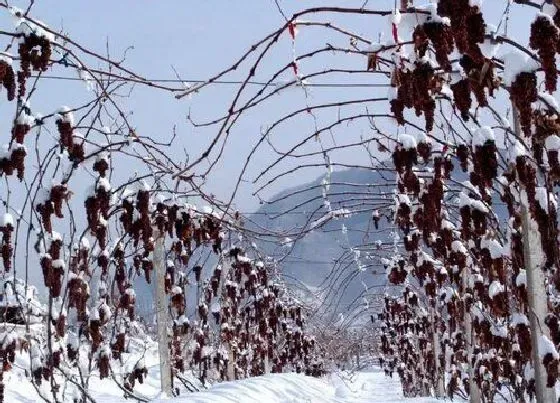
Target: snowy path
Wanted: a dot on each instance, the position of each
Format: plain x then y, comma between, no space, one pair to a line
363,387
372,386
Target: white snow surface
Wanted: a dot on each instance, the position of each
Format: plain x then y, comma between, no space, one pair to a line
549,9
333,214
521,278
546,101
547,347
552,143
359,387
408,142
543,198
516,63
482,135
7,219
496,250
495,288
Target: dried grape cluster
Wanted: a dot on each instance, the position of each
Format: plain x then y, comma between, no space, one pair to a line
70,140
441,37
462,97
523,93
53,266
52,204
7,77
13,158
415,89
467,26
545,38
7,228
479,79
35,53
485,165
480,76
545,138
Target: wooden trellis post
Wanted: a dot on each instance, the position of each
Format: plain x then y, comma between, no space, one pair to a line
535,290
439,386
161,313
474,391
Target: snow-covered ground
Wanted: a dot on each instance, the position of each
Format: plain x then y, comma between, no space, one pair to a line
362,387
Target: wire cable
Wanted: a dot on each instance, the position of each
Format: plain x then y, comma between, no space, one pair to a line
232,82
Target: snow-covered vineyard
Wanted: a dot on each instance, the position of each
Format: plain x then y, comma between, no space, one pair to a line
280,202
